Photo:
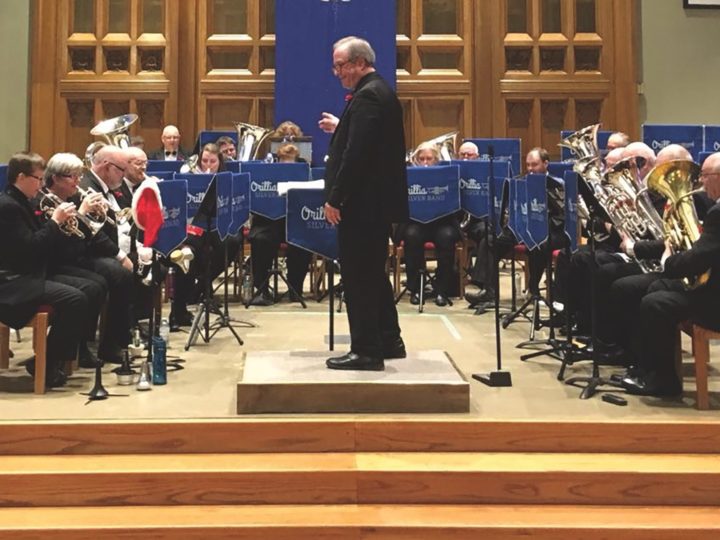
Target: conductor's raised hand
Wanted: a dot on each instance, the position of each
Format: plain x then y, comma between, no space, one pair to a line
328,122
332,214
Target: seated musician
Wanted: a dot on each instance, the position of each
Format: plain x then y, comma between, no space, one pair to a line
92,257
227,147
27,246
668,302
265,238
443,232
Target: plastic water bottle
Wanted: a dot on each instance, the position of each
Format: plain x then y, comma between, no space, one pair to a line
159,362
518,283
164,331
246,290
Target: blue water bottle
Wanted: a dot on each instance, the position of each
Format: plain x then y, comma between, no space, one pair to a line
159,371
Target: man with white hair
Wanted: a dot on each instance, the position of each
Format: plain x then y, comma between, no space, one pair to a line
468,150
171,150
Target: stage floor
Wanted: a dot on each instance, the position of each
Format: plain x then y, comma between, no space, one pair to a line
206,388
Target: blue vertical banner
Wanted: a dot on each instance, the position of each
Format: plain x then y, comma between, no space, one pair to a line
174,228
537,207
197,185
223,194
317,173
240,201
712,139
558,168
523,235
499,201
264,178
306,226
433,192
3,177
503,150
305,31
571,215
658,136
474,184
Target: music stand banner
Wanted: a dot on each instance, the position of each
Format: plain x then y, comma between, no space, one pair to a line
3,177
160,165
174,229
306,227
240,201
164,175
264,178
503,150
522,218
223,194
197,185
602,139
317,173
558,168
571,199
658,136
500,201
433,192
537,207
712,139
474,184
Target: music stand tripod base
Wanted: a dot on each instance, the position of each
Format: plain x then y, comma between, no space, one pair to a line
494,378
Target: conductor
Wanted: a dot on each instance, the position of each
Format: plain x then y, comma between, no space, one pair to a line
365,192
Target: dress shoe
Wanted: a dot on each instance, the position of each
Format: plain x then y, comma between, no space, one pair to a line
480,297
395,349
86,359
54,378
441,300
356,362
264,299
110,354
651,384
180,318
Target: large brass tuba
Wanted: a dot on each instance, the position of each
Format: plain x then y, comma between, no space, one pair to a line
583,143
114,131
250,138
445,143
677,181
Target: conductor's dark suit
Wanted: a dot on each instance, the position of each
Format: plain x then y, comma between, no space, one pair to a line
366,179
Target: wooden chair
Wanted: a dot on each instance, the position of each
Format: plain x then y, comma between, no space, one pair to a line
460,262
39,324
701,352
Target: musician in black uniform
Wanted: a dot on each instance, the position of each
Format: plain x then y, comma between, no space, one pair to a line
443,232
366,191
668,303
26,249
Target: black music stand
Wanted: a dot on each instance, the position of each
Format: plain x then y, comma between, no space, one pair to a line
201,325
498,377
594,381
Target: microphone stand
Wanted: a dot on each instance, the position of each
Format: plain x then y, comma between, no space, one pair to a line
498,377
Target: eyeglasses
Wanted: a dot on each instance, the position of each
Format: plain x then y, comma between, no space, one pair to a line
35,177
118,167
74,176
337,66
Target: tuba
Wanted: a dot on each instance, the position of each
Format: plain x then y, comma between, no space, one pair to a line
250,138
445,143
114,131
583,143
676,181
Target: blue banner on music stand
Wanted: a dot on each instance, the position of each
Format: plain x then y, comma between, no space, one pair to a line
499,194
3,177
305,30
702,157
433,192
264,177
197,185
571,200
513,207
174,229
712,139
474,187
522,218
658,136
558,168
503,150
306,226
164,175
160,165
537,207
317,173
223,193
240,201
567,155
232,166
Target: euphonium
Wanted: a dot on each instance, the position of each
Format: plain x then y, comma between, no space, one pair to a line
48,203
583,143
676,180
114,131
445,143
250,138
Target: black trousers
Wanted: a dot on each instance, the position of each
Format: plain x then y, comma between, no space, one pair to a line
120,284
371,311
70,306
620,323
266,235
444,234
484,271
93,286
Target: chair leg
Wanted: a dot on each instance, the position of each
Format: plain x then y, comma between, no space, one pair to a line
701,344
40,327
4,346
678,354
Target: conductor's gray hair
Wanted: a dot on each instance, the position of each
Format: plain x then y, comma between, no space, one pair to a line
357,48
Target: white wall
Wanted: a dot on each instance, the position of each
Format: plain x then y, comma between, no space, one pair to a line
680,59
14,76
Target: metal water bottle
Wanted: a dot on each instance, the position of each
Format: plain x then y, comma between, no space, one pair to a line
159,364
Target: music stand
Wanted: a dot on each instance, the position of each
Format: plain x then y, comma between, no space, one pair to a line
201,325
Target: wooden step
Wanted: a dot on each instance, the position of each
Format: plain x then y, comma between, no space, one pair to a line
412,522
365,478
340,435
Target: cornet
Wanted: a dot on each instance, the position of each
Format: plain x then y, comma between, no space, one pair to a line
49,203
96,219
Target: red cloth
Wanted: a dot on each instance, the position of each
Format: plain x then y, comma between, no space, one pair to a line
150,216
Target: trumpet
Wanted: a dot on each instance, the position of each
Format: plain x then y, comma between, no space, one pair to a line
96,219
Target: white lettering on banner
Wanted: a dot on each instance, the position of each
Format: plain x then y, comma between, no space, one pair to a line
486,157
536,207
716,146
238,200
223,201
266,186
496,203
196,198
659,145
470,184
572,207
432,193
171,213
417,189
307,214
523,209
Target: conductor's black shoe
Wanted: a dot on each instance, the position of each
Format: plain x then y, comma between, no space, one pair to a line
356,362
110,354
394,349
651,384
441,300
86,359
